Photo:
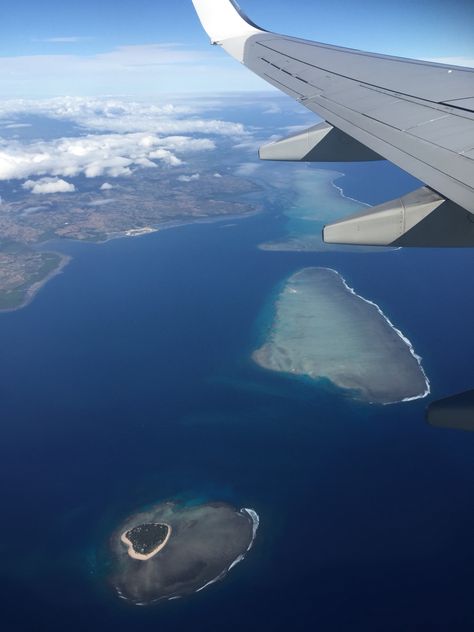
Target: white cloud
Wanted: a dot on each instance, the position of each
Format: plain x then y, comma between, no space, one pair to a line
195,176
17,125
123,136
62,40
166,156
110,155
121,115
251,145
247,169
106,186
48,185
101,202
273,108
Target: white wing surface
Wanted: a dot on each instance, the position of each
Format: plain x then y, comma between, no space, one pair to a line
419,115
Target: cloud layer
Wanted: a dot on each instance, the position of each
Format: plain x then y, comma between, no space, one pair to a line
110,155
121,115
125,136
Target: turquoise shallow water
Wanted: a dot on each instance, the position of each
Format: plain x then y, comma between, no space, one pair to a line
307,212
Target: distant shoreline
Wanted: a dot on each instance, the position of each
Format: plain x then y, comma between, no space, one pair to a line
32,291
149,230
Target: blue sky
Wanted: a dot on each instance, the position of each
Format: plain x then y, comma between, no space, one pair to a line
148,47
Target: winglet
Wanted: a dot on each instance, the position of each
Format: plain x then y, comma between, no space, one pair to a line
224,20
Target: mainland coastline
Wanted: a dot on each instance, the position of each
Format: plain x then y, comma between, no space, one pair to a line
26,292
129,210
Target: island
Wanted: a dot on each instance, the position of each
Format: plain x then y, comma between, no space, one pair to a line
146,540
173,549
322,329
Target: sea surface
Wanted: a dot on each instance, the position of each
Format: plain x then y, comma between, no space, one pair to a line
128,380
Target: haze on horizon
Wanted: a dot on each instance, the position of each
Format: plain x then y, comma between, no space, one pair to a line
145,49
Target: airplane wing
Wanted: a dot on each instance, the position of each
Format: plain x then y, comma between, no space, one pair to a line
419,115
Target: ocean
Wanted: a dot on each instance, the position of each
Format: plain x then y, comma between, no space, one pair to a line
128,380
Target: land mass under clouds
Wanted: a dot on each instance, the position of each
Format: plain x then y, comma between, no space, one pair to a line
130,169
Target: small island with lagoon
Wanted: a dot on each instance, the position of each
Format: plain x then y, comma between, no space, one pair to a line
170,550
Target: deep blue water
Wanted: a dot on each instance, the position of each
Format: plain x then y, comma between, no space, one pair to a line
128,380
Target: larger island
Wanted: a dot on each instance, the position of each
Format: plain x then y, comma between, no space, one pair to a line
323,330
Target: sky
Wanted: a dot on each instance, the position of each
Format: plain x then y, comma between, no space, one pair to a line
146,48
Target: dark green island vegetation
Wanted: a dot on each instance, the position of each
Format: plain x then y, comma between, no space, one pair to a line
146,540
